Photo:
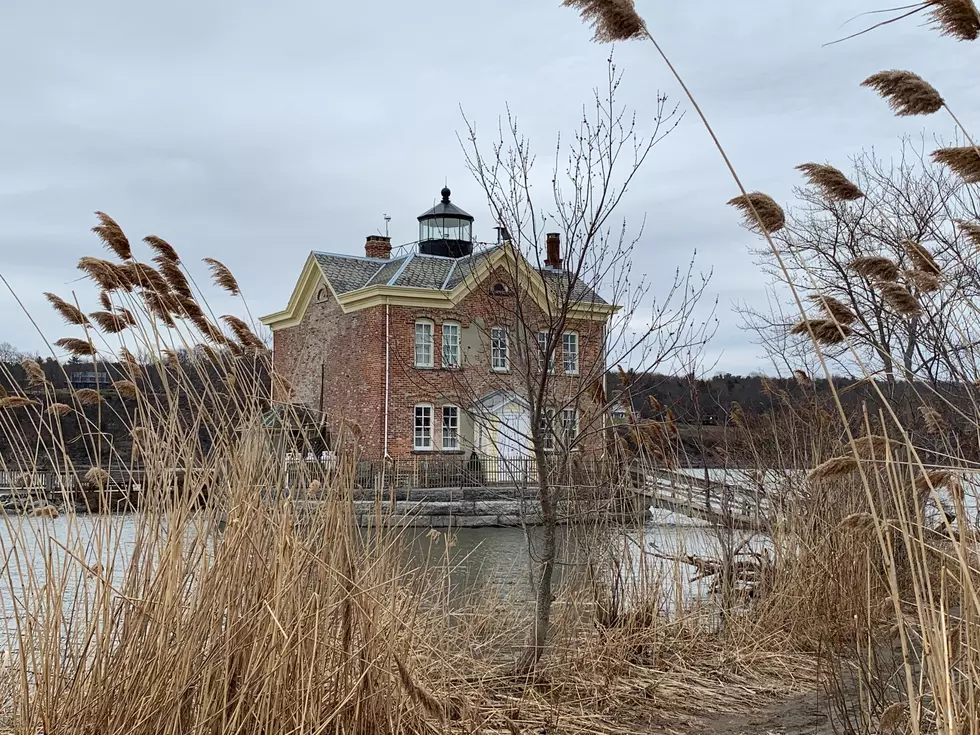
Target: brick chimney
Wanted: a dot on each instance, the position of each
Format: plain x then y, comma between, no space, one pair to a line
377,246
553,241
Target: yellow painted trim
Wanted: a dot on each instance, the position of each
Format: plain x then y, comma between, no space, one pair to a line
309,278
378,295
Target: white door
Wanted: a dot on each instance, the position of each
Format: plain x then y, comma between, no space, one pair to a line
512,443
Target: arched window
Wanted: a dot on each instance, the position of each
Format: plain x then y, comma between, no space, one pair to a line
321,295
499,289
424,331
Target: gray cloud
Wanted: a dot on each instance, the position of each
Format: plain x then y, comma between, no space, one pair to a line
254,132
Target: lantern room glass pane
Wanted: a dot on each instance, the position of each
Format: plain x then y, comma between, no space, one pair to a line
445,228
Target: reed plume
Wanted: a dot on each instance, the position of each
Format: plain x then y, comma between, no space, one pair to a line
174,276
965,162
59,409
88,396
97,476
921,257
164,250
16,402
834,308
245,336
900,299
833,468
69,312
113,323
831,181
905,92
932,419
875,267
161,305
825,331
126,388
112,236
222,276
75,346
128,359
771,217
145,276
104,301
925,282
189,308
933,479
970,230
956,18
108,276
870,446
210,331
611,20
35,375
802,378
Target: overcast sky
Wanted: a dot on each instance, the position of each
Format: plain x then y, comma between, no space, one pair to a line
254,132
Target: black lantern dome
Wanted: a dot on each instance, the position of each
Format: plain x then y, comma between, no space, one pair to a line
446,230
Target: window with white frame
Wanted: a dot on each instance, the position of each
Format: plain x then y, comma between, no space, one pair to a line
450,345
450,427
423,343
543,350
569,426
546,430
569,353
423,427
499,349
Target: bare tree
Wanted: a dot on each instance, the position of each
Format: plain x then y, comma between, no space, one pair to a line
10,354
564,305
905,202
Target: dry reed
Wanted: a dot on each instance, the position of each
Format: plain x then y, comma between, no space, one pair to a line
611,20
112,236
803,378
107,275
825,331
875,267
113,323
956,18
59,409
16,402
760,210
35,375
165,251
900,299
75,346
920,255
222,276
833,468
834,308
831,181
87,396
905,92
126,388
174,276
970,230
964,161
96,476
932,418
245,336
925,282
145,276
69,312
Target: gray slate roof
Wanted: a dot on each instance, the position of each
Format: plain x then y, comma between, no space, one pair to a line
346,273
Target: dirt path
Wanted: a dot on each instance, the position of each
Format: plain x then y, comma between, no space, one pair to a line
801,715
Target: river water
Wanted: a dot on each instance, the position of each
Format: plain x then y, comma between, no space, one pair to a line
495,560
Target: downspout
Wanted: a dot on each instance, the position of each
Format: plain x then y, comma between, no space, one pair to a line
387,375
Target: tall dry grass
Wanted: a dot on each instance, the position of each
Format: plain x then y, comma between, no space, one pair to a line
223,605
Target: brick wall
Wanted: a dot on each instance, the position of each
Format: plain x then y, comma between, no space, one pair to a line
337,360
344,353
